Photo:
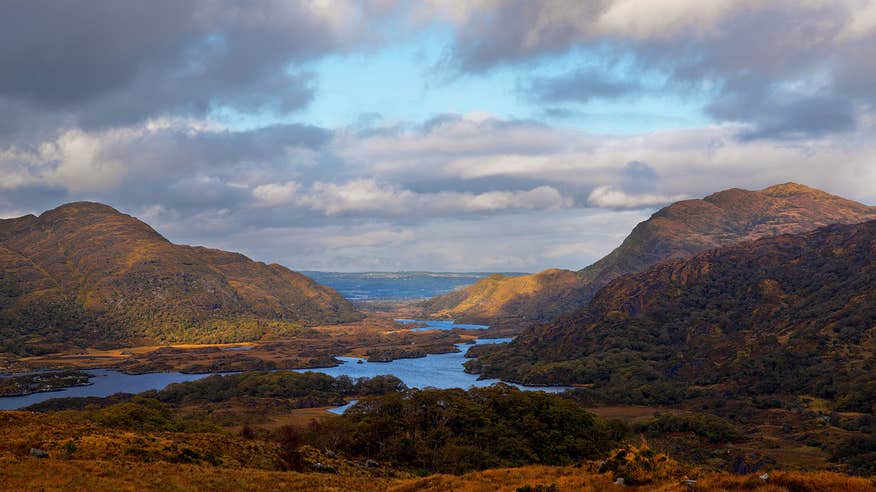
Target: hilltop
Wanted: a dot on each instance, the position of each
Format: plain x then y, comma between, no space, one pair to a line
86,274
677,231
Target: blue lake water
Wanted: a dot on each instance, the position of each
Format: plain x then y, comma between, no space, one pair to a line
434,370
395,285
343,408
440,325
105,383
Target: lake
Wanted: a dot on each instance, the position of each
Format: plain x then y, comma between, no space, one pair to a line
434,370
439,325
395,285
105,383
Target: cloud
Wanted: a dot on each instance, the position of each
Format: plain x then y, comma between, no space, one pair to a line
786,69
444,185
98,64
367,196
609,197
193,115
581,85
511,241
273,194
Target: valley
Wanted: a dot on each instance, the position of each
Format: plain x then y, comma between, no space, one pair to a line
714,365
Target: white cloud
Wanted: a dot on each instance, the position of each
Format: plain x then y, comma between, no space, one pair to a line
367,196
642,20
509,241
273,194
609,197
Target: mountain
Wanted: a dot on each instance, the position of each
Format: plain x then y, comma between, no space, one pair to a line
543,295
791,314
676,231
87,274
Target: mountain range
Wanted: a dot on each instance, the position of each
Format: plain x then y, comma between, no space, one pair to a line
676,231
790,314
86,274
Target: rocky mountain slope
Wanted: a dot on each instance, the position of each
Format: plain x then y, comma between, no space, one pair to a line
791,314
676,231
85,273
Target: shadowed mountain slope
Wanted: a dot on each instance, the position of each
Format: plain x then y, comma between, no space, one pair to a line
676,231
792,314
85,273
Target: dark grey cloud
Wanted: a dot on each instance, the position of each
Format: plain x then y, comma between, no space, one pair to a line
103,63
786,69
580,86
504,33
638,177
112,101
776,117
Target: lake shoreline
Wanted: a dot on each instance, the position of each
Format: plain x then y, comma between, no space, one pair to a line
441,368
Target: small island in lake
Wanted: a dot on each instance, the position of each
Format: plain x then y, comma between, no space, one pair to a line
27,384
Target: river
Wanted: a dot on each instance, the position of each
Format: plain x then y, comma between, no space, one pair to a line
434,370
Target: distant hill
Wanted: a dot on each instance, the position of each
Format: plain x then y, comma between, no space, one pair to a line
676,231
792,314
377,286
86,274
539,296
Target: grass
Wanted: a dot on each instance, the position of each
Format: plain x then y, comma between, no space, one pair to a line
89,456
25,473
73,475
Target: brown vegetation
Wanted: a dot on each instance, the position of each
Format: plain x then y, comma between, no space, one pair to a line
677,231
84,274
370,338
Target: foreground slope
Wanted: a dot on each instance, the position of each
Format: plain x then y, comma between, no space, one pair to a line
677,231
85,272
792,314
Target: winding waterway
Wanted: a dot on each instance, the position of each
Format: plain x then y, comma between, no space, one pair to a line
434,370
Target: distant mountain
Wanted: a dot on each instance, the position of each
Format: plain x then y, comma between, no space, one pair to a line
538,296
792,314
677,231
87,274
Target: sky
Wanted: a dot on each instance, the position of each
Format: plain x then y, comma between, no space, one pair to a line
384,135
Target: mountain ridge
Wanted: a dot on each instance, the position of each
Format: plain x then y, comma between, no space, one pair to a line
679,230
83,267
789,314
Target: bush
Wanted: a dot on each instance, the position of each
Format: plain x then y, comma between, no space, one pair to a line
457,431
711,427
640,466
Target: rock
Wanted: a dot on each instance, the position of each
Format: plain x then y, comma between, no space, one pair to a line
372,464
320,467
330,454
38,453
619,481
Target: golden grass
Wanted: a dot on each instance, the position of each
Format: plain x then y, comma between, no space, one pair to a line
74,475
577,479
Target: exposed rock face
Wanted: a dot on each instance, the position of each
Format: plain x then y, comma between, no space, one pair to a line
677,231
86,273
